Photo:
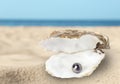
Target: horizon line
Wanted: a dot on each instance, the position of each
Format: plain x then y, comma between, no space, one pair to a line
57,20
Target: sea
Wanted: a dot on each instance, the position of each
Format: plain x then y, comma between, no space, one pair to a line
59,22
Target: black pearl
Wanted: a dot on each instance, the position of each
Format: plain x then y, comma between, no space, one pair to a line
76,68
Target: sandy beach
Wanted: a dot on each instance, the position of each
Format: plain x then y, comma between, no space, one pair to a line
22,58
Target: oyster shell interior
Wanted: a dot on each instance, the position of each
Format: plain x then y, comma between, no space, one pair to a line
60,65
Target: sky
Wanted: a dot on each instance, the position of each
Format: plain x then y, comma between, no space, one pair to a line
60,9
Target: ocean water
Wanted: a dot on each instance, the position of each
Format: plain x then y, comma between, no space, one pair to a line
59,23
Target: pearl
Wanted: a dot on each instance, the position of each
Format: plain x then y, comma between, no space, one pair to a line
76,67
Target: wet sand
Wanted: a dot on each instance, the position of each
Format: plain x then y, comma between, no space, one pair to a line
22,58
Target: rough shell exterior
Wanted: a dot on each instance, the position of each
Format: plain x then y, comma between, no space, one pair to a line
77,34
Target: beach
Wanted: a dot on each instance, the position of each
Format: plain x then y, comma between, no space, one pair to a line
22,58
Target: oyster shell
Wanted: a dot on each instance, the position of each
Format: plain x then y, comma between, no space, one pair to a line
74,41
61,65
79,53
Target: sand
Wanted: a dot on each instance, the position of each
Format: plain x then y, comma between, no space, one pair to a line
22,58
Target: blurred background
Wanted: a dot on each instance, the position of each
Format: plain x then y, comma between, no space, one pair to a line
60,12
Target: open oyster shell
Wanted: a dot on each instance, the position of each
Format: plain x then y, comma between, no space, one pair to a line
74,41
61,65
80,53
